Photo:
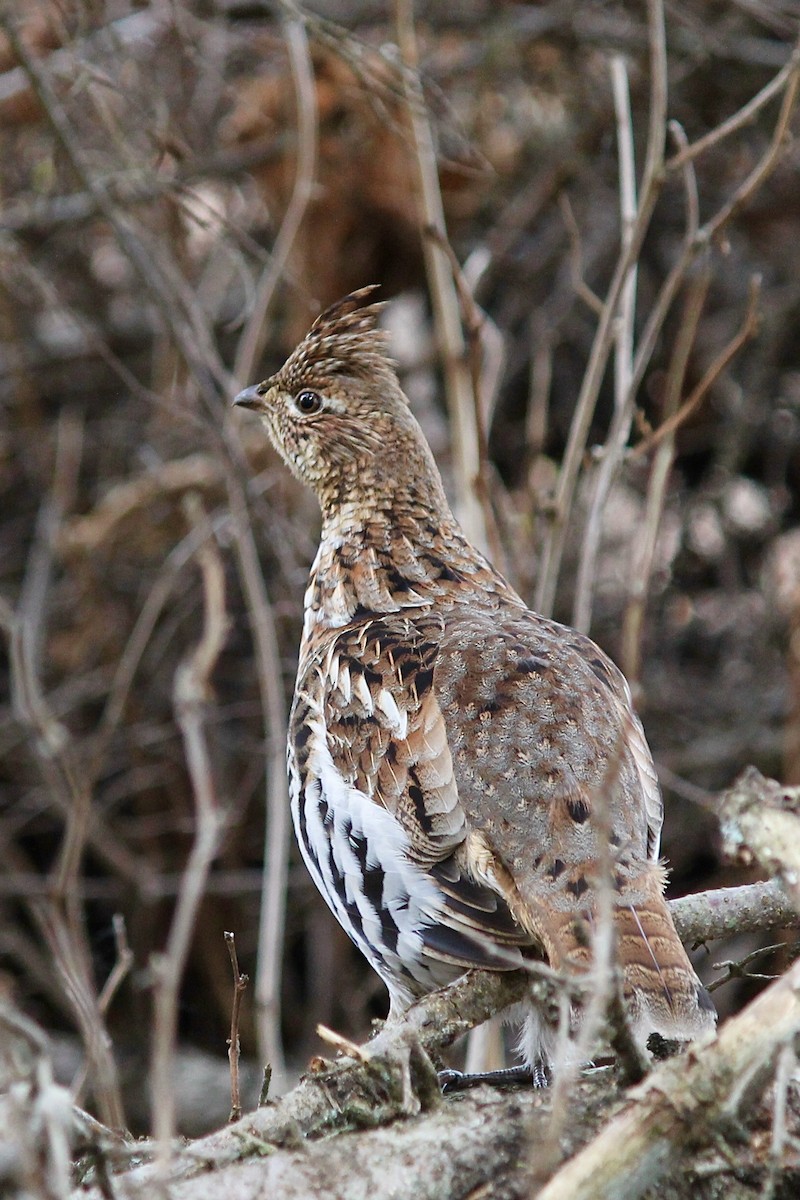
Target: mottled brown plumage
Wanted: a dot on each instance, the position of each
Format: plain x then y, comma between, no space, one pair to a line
448,748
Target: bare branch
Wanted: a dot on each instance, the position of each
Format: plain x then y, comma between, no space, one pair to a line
484,351
191,692
240,983
60,917
725,912
697,395
746,114
624,396
373,1081
276,838
579,284
644,547
252,340
450,337
772,156
737,969
167,287
88,533
652,182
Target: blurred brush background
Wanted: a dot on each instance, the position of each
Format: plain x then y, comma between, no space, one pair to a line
183,186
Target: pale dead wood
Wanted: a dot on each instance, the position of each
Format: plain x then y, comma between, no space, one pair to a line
760,820
130,31
743,913
483,349
342,1044
392,1074
276,837
183,317
44,214
786,1068
159,275
157,597
123,964
739,969
786,84
36,1116
462,377
777,146
372,1083
579,284
711,1085
276,848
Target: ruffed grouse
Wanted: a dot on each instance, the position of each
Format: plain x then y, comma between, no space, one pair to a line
447,746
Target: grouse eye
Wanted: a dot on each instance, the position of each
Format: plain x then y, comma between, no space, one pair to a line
308,402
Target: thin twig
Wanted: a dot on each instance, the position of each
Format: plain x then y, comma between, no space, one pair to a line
276,837
167,287
123,962
191,692
752,182
695,1094
342,1044
614,448
652,182
602,981
738,969
697,395
458,388
43,214
60,917
786,1067
135,646
541,378
746,114
183,317
253,337
485,356
240,983
636,1149
579,284
644,546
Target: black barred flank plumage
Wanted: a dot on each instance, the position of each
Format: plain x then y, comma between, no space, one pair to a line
449,748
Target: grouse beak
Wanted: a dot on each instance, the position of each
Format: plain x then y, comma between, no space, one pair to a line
249,398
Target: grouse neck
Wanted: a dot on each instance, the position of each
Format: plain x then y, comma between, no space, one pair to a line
379,560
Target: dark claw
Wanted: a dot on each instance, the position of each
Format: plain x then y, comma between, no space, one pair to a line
458,1081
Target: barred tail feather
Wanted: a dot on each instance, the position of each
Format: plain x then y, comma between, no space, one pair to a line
661,990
